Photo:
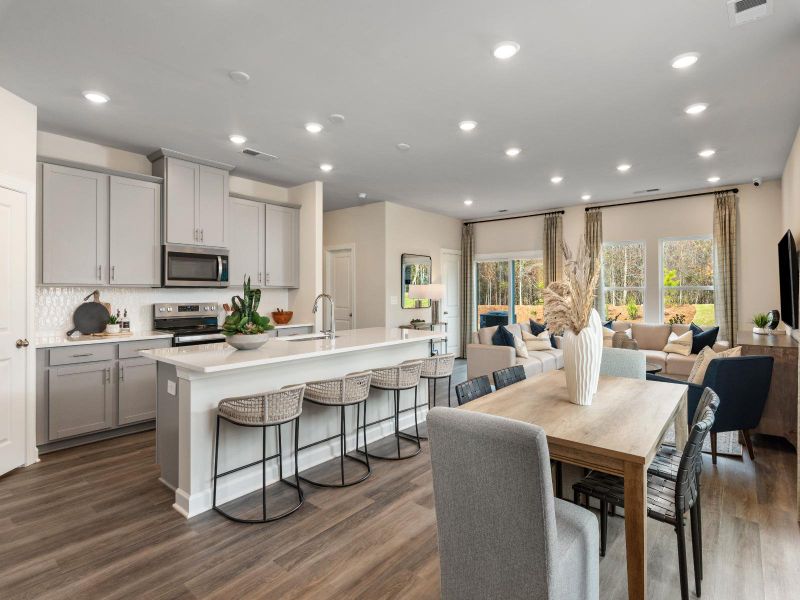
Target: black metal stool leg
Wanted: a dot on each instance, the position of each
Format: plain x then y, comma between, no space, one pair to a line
296,461
264,470
435,381
366,453
216,465
416,421
397,420
342,444
280,454
449,386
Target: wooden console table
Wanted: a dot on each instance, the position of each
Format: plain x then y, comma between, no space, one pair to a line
780,412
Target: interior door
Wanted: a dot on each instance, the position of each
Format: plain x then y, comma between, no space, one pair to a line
134,243
451,304
246,247
341,285
13,317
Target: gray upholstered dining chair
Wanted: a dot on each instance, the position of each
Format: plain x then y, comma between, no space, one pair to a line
619,362
502,534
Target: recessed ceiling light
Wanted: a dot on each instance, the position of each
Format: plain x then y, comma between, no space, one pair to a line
239,76
556,179
512,152
313,127
586,197
467,125
468,202
682,61
363,196
96,97
403,146
696,109
237,139
326,167
707,153
713,179
336,118
623,167
505,50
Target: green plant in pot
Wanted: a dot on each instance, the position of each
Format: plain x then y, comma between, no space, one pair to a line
112,326
244,327
760,323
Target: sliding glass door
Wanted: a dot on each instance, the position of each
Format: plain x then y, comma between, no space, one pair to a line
509,290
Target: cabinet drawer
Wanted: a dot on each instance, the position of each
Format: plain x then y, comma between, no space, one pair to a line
131,349
82,354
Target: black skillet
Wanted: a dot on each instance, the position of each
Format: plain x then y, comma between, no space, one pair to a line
89,317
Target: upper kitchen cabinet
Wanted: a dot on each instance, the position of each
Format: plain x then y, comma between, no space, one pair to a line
246,247
195,198
282,257
98,227
74,225
135,236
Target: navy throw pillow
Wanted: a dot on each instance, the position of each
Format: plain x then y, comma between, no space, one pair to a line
609,325
702,338
503,337
538,328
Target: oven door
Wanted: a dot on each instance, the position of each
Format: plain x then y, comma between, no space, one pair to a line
190,266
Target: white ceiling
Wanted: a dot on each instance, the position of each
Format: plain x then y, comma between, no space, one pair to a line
591,87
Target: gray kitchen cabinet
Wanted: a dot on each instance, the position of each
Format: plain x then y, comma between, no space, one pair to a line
282,255
81,399
137,390
135,235
195,198
247,245
74,226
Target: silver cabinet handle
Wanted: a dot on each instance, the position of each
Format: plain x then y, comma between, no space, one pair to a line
108,375
122,374
202,235
100,272
113,272
81,355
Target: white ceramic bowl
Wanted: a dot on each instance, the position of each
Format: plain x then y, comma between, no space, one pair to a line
241,341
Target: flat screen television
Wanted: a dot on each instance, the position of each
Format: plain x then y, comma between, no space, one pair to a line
787,265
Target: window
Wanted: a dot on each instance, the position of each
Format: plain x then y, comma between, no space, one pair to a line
516,282
623,280
687,281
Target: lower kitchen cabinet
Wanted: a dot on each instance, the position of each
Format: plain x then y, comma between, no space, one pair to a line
94,391
81,399
137,390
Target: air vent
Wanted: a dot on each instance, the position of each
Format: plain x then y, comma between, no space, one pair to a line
745,11
648,191
503,210
258,154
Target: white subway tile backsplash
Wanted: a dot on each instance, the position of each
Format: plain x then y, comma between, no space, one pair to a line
55,305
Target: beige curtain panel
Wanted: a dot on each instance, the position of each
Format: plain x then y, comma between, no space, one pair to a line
467,285
593,233
725,242
553,254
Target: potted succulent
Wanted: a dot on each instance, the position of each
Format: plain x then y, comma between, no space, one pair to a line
761,322
569,311
244,328
112,326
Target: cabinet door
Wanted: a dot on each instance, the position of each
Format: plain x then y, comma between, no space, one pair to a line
212,209
137,390
282,246
74,226
134,213
182,188
80,399
246,246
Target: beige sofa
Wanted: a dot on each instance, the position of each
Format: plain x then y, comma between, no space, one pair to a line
652,337
484,358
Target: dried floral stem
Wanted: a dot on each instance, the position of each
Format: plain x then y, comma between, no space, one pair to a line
568,303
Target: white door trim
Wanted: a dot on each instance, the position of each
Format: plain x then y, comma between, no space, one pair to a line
451,252
328,251
29,190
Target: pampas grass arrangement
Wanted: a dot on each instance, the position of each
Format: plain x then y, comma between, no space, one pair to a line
568,303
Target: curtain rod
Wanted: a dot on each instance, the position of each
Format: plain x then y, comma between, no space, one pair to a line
588,208
549,212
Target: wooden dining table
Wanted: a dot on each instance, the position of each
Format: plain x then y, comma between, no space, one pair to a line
619,433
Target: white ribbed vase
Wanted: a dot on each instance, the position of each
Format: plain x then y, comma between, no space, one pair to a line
582,355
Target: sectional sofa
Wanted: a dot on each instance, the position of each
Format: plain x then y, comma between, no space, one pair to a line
483,358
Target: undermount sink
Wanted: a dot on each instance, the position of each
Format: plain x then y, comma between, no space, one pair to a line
303,338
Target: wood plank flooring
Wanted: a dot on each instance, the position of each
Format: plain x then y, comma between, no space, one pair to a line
94,522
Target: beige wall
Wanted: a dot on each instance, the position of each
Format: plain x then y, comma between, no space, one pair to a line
758,238
364,228
381,232
309,197
18,142
791,190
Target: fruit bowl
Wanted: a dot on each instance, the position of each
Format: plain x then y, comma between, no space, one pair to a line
282,318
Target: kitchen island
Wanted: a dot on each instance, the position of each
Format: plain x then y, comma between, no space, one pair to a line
193,379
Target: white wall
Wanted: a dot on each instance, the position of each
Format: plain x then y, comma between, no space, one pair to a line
759,232
790,202
18,140
309,197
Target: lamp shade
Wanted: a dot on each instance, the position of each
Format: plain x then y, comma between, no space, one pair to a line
418,292
436,291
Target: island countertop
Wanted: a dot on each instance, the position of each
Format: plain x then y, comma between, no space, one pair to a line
214,358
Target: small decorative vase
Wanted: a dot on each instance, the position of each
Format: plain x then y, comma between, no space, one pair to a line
240,341
112,328
762,330
582,354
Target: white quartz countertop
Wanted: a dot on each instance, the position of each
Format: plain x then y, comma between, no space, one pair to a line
55,341
213,358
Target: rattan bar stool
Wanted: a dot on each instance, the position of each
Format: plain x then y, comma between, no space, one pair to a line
270,409
404,376
435,368
345,391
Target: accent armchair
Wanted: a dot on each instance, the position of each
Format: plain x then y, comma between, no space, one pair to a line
742,384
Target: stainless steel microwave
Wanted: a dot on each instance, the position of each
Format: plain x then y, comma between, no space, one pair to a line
194,266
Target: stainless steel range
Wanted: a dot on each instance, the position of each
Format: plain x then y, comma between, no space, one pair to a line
190,324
